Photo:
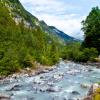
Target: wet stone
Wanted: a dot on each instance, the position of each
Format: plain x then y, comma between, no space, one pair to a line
4,97
75,93
15,88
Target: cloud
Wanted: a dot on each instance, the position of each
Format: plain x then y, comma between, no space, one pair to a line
57,13
69,24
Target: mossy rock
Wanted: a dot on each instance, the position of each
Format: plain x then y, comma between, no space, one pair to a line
97,95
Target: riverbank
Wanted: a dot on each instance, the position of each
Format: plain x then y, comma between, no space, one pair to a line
64,81
95,64
39,69
27,72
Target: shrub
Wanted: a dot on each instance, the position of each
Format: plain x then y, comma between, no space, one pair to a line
87,55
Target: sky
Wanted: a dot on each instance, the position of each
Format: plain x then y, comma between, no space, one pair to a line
66,15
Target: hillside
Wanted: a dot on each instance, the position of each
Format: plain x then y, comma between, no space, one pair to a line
63,35
25,40
22,41
19,14
56,32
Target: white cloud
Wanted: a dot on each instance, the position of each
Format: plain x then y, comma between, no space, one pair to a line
67,24
55,13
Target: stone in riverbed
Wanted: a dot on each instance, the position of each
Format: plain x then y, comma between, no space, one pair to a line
84,86
41,72
93,92
15,88
88,98
93,88
38,80
53,89
51,84
50,90
4,97
90,70
75,93
58,76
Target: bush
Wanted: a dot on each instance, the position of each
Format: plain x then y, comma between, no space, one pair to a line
87,55
74,52
71,51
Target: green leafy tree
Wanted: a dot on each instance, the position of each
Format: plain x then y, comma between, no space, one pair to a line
91,28
21,46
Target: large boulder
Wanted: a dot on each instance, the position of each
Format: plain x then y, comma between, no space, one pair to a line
93,88
94,92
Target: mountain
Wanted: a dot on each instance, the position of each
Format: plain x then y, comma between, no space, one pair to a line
63,35
25,40
19,14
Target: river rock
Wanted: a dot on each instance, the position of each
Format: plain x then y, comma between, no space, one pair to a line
50,90
4,97
53,89
58,76
75,93
15,87
92,91
90,70
51,84
73,71
38,80
84,85
93,88
51,69
41,72
88,98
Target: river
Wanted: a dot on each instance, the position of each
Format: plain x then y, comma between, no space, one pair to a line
65,82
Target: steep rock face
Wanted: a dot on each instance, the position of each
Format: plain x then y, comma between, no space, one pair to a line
19,14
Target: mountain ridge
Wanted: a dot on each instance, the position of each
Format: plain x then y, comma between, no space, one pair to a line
31,21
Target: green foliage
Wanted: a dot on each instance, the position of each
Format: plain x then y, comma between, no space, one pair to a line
74,52
71,51
91,28
90,47
20,47
87,55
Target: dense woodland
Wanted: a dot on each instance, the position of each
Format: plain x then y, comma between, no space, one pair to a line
20,47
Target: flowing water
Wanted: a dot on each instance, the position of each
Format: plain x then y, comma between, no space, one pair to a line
65,82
